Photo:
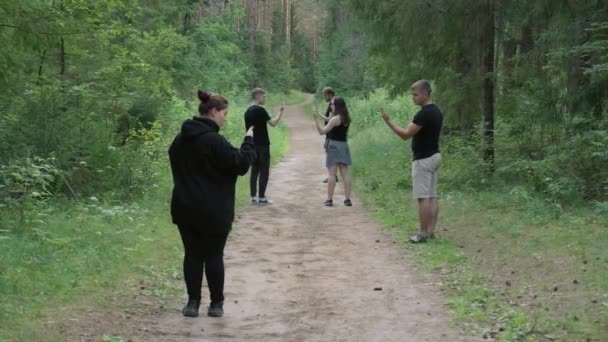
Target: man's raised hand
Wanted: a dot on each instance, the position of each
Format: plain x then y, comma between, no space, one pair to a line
385,116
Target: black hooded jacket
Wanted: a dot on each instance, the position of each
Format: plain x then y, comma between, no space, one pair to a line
205,168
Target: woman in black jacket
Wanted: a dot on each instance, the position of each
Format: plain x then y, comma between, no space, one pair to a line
205,168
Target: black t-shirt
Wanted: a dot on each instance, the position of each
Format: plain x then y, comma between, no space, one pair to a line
258,117
426,142
328,112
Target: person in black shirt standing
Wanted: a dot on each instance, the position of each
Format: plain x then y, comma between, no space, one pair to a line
256,116
205,168
328,95
425,129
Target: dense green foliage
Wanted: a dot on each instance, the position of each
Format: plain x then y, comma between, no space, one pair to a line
90,86
343,61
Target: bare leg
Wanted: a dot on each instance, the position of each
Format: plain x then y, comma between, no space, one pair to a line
331,182
346,179
434,214
424,215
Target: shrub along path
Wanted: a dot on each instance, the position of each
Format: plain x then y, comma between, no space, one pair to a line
297,271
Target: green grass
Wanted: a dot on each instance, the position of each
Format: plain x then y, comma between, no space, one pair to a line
78,253
72,256
514,266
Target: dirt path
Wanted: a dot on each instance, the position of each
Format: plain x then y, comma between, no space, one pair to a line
296,271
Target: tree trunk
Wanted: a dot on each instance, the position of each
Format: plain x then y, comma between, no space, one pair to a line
250,25
62,57
268,27
527,39
257,15
488,36
40,68
186,23
509,50
314,41
577,82
287,22
61,49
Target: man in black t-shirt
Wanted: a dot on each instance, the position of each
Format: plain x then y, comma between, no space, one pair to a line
328,95
257,116
425,129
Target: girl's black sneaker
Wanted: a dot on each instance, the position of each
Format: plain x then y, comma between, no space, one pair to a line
328,203
216,309
348,203
191,309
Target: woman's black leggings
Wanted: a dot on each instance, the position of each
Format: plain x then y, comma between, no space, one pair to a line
202,252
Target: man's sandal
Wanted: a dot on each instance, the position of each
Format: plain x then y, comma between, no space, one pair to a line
418,238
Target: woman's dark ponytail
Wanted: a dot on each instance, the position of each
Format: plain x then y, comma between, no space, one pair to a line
210,101
203,96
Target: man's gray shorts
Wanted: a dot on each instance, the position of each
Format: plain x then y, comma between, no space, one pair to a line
425,173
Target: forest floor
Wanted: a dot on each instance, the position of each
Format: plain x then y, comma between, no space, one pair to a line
297,271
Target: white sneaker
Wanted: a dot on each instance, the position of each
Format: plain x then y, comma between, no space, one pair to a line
254,200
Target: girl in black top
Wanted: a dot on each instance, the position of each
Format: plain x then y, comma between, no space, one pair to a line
205,168
338,153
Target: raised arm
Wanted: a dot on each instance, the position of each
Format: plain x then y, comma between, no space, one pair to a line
403,133
233,160
333,122
323,117
275,121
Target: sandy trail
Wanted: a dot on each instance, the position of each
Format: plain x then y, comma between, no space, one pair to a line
296,271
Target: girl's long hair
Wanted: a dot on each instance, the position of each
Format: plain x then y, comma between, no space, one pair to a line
342,110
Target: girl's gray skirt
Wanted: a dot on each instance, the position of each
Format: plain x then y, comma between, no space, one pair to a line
337,153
